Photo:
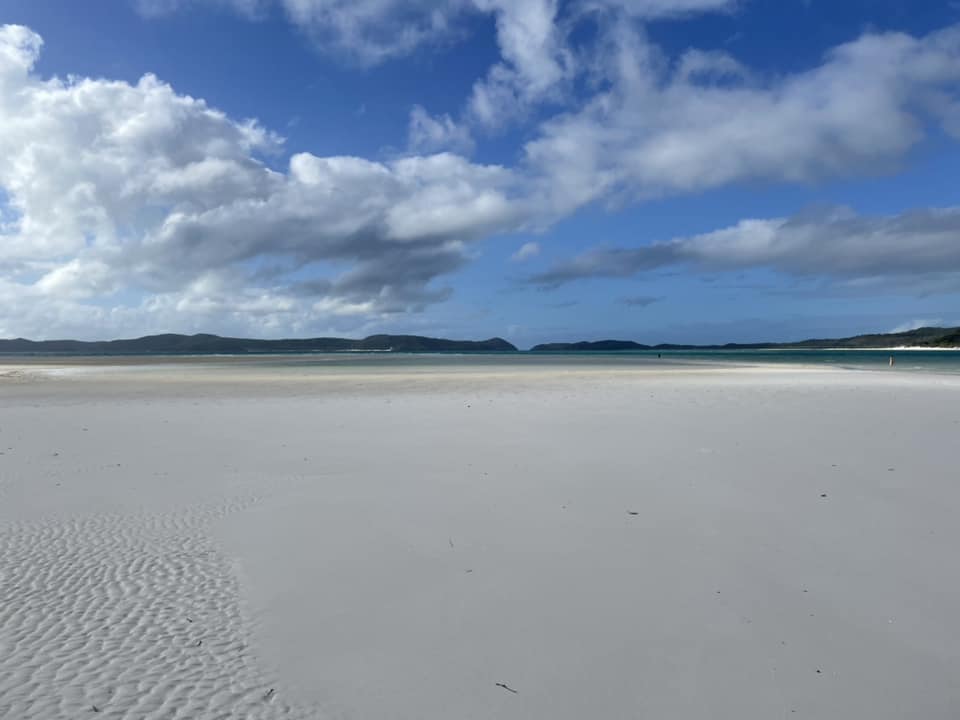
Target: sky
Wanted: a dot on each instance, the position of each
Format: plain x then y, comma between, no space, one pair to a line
538,170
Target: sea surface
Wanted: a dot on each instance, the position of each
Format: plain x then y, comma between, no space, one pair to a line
917,360
940,361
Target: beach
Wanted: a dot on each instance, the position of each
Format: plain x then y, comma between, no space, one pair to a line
557,540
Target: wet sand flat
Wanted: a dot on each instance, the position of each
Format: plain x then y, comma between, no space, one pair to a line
196,540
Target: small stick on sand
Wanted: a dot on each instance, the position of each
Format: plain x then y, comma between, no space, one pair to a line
505,687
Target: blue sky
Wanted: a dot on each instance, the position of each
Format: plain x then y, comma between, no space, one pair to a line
674,170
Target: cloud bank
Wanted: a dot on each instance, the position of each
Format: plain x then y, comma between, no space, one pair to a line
113,188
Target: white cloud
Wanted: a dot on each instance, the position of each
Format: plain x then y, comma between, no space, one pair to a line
19,50
374,30
526,251
701,66
429,133
835,243
662,128
117,191
536,62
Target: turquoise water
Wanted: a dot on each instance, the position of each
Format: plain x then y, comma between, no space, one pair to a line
905,360
913,360
917,360
932,360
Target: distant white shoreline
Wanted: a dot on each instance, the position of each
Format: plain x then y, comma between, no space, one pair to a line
907,347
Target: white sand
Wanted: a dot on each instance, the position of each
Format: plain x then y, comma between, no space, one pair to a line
394,544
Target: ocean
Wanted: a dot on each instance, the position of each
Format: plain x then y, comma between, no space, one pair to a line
940,361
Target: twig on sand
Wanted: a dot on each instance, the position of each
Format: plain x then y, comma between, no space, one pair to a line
507,688
632,512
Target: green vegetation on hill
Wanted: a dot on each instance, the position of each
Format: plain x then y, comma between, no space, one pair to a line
597,346
207,344
932,337
203,343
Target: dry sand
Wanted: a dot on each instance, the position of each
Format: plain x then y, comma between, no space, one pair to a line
217,540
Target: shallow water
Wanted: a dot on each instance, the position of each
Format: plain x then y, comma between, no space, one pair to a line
905,360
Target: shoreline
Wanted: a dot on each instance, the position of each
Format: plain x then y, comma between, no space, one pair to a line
306,369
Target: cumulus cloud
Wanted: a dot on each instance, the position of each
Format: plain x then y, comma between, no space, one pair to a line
113,189
19,49
526,251
834,243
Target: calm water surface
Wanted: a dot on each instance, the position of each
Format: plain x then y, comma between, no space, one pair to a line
905,360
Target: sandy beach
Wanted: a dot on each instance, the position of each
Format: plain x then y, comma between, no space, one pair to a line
216,539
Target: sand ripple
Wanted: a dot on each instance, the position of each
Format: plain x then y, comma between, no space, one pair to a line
126,616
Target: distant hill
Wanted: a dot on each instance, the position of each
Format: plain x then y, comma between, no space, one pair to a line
203,343
597,346
208,344
932,337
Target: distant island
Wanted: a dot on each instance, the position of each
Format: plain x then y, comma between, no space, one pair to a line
931,337
202,343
